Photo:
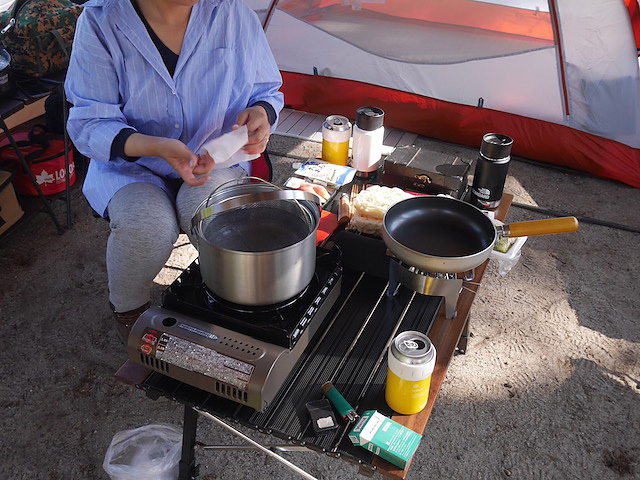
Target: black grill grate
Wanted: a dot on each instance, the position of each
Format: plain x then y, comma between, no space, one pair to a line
358,372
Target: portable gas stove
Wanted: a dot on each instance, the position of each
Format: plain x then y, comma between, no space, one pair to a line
242,353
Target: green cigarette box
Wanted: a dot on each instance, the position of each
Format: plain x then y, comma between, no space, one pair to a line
385,438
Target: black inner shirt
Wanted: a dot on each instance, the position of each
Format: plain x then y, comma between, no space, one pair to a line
169,57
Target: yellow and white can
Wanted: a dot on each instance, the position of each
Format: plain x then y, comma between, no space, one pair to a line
336,133
411,360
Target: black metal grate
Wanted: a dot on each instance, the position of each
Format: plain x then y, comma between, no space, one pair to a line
280,324
359,372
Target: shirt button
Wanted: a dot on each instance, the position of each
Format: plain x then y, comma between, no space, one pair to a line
177,126
173,92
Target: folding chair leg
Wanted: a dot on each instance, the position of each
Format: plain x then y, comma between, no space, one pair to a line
25,166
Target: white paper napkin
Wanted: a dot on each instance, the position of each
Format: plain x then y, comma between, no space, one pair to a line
226,150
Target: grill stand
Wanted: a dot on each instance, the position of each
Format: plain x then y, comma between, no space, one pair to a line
445,285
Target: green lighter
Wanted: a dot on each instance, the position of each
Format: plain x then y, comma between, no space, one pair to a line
343,408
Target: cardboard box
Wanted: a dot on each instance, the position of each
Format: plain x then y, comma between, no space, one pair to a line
385,438
426,171
10,210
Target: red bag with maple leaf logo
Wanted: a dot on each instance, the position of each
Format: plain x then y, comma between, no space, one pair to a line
44,153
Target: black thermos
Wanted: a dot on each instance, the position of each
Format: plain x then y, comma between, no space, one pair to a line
491,171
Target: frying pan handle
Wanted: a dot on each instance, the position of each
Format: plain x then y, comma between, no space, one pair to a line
540,227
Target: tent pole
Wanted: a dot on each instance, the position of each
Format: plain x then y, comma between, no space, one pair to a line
556,30
267,17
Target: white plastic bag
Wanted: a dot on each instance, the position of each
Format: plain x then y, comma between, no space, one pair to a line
150,452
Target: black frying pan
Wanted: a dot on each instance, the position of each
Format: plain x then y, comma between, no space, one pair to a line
445,235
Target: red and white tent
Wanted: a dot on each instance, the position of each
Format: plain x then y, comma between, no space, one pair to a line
559,76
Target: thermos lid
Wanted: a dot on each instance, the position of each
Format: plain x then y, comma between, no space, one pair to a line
369,118
412,348
496,146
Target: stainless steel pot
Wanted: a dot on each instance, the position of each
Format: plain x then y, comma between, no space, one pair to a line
256,242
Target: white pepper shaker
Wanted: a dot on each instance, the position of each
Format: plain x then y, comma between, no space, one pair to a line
368,133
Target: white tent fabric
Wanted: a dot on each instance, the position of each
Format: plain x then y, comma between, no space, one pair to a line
602,68
568,62
496,79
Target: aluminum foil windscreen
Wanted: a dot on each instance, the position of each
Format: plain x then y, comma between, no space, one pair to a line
260,226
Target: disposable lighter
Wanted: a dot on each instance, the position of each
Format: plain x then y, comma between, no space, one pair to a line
343,408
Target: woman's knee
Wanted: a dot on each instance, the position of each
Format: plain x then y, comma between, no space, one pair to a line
143,215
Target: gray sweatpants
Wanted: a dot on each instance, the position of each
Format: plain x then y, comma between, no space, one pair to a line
145,222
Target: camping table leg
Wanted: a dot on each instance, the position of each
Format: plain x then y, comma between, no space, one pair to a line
26,168
255,444
461,348
187,467
59,82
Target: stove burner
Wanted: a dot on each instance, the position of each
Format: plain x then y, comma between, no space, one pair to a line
215,299
416,270
447,285
282,323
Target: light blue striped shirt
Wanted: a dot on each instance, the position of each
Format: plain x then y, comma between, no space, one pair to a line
117,79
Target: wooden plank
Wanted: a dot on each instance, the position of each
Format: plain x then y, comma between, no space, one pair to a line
297,129
290,121
407,138
393,136
316,137
284,113
315,127
445,335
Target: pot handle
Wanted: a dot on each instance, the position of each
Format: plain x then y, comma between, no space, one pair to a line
247,198
238,181
539,227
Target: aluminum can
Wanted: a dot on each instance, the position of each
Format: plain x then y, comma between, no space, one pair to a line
411,359
491,171
336,132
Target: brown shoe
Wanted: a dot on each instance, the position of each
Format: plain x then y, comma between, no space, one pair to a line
125,320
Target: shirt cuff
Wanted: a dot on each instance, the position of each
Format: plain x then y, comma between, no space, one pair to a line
271,112
117,146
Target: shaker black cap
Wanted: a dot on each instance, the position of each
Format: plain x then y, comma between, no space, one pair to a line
369,118
496,146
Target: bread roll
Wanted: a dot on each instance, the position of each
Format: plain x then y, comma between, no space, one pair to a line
370,205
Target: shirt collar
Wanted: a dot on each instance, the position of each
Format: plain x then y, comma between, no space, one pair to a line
130,24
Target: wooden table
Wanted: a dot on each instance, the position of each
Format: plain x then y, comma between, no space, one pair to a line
445,333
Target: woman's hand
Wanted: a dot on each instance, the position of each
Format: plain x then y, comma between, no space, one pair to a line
185,162
257,122
175,153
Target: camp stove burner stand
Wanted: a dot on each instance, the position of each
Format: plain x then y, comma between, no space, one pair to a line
446,285
219,360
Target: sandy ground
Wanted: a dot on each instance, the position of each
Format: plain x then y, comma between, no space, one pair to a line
549,388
